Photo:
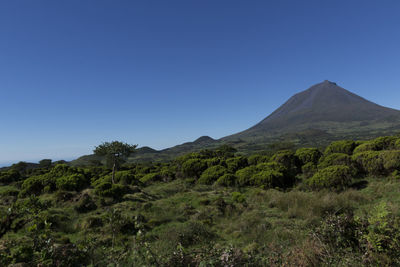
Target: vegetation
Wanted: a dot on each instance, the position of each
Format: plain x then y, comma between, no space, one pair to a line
304,207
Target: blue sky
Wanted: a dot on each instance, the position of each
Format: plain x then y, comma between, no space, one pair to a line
158,73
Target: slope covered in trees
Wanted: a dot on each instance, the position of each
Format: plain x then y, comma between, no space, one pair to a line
338,206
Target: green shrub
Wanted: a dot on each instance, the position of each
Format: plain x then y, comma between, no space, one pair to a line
309,169
289,160
227,179
382,237
343,146
257,159
391,160
85,204
193,167
125,177
334,177
238,197
236,163
378,144
244,176
150,177
107,189
73,182
9,176
214,161
36,184
308,155
212,174
269,179
336,159
167,174
369,162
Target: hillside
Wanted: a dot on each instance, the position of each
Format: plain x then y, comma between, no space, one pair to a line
320,114
334,207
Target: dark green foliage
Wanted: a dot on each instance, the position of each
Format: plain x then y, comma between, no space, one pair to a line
344,146
340,231
125,177
212,174
238,197
236,163
36,185
370,162
151,177
309,169
85,204
257,159
61,176
193,167
289,160
378,144
73,182
227,179
269,179
245,175
225,151
107,189
336,177
308,155
214,161
9,176
336,159
391,160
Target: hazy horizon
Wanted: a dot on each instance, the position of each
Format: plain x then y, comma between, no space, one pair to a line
159,74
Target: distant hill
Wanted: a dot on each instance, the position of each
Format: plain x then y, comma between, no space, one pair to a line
323,113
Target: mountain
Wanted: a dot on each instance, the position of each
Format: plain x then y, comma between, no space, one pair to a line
326,111
321,114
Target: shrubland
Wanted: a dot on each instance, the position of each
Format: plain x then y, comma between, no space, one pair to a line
337,206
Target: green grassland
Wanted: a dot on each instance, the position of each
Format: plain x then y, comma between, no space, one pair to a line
287,206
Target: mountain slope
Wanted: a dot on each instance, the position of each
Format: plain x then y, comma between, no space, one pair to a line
328,109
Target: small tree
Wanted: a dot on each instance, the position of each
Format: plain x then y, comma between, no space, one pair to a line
114,151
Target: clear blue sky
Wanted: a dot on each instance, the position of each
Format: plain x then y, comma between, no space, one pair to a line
158,73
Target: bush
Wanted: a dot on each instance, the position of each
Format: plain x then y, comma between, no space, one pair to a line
244,176
269,179
344,146
309,169
150,177
193,167
106,189
378,144
257,159
9,176
212,174
227,179
289,160
238,197
308,155
73,182
391,160
369,162
236,163
336,159
36,184
85,204
334,177
124,177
